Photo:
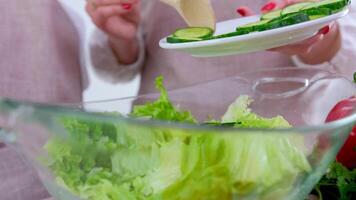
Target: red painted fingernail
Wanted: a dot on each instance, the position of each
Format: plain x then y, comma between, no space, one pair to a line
325,30
126,6
268,7
241,11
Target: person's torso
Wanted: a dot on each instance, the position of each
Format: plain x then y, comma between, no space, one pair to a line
181,69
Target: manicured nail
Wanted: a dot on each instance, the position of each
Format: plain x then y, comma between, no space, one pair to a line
325,30
241,11
268,7
126,6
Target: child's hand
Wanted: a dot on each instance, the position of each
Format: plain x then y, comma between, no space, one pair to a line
314,50
120,20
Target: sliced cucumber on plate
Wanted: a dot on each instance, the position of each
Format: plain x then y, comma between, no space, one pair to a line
272,15
295,18
275,23
318,11
252,27
288,20
294,14
232,34
333,5
174,39
295,8
313,17
194,32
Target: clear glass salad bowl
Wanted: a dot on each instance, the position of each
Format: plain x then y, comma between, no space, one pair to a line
86,151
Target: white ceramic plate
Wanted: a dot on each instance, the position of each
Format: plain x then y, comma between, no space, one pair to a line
251,42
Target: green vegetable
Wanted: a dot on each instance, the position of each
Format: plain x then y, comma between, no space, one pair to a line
285,21
106,161
173,39
313,17
240,113
271,15
338,183
194,32
252,27
274,23
318,12
162,109
295,8
333,5
232,34
191,34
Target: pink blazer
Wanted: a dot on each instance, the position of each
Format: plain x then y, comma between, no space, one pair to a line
39,62
39,52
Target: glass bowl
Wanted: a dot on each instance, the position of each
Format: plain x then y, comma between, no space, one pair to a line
86,151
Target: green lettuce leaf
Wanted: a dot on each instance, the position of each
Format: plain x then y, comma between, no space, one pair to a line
240,113
162,108
338,183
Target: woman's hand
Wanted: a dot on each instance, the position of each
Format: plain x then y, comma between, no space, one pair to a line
120,20
320,48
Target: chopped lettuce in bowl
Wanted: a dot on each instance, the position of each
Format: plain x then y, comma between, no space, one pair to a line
119,161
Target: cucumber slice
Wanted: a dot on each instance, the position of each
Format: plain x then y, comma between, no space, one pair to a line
194,32
318,11
272,15
333,5
294,19
246,29
174,39
313,17
232,34
252,27
295,8
286,21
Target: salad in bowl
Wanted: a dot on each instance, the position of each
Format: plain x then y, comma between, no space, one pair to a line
262,137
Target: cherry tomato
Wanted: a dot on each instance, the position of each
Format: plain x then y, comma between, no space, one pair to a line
347,154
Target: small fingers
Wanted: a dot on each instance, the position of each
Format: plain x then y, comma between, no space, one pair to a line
326,29
310,41
272,5
133,16
119,27
100,14
302,47
306,45
111,2
244,11
125,4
